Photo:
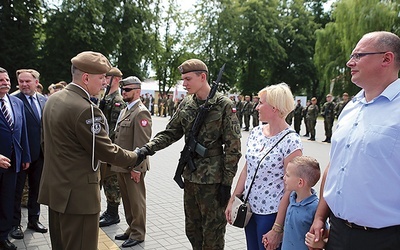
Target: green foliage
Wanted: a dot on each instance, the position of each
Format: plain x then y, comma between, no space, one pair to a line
262,42
20,23
352,19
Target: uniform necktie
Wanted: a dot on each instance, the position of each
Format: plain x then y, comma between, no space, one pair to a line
6,113
35,111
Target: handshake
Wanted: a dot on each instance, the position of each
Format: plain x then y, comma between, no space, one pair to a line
142,153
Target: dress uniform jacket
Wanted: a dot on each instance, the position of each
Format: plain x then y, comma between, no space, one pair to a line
70,180
133,130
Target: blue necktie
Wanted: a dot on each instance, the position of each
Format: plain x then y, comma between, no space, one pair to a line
34,108
6,113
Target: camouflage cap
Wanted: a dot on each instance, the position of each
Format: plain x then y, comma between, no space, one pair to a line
91,62
114,71
328,95
131,80
192,65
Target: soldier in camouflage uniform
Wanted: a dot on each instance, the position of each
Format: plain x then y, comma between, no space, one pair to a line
207,189
312,115
170,105
246,112
254,112
113,106
328,112
298,116
239,107
339,107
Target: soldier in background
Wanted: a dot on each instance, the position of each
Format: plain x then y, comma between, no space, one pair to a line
305,110
339,107
312,115
113,106
239,107
328,112
298,116
146,101
133,130
254,112
246,112
170,105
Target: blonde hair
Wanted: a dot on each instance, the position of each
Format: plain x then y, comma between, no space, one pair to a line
278,96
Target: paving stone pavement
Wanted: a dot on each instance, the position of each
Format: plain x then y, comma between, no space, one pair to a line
165,214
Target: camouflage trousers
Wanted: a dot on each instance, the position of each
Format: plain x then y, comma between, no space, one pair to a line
205,221
328,124
111,189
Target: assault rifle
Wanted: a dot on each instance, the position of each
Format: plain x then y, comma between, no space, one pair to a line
102,103
192,146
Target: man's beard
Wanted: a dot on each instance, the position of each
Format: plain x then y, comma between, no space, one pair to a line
127,99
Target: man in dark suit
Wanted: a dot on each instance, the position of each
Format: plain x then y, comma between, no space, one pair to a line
28,80
14,146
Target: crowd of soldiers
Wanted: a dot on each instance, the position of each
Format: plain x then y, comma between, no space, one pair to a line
246,109
309,114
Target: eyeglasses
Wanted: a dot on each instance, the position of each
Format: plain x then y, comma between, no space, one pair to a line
357,56
128,89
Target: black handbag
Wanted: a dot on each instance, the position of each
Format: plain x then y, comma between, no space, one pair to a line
241,211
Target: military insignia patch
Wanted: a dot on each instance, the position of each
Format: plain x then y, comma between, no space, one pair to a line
233,110
117,104
144,123
236,128
180,69
95,128
96,119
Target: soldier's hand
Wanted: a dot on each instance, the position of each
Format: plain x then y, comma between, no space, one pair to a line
142,153
224,194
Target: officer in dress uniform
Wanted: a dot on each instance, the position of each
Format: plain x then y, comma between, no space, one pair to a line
112,107
75,138
133,130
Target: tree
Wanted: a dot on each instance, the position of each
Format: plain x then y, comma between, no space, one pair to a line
259,48
352,19
168,52
20,23
297,38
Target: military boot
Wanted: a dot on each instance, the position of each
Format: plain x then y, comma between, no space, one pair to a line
110,216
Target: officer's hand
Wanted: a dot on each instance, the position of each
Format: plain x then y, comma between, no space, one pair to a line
224,194
142,153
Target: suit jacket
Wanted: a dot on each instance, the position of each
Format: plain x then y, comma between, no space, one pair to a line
34,126
16,139
69,182
133,130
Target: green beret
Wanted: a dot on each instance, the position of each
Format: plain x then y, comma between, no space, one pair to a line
131,80
91,62
192,65
114,71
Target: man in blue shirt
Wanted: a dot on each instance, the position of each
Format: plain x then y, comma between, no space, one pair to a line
360,187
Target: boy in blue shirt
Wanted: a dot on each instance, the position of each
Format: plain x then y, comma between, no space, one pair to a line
302,173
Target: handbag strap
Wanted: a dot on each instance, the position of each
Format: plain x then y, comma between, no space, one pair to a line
259,163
